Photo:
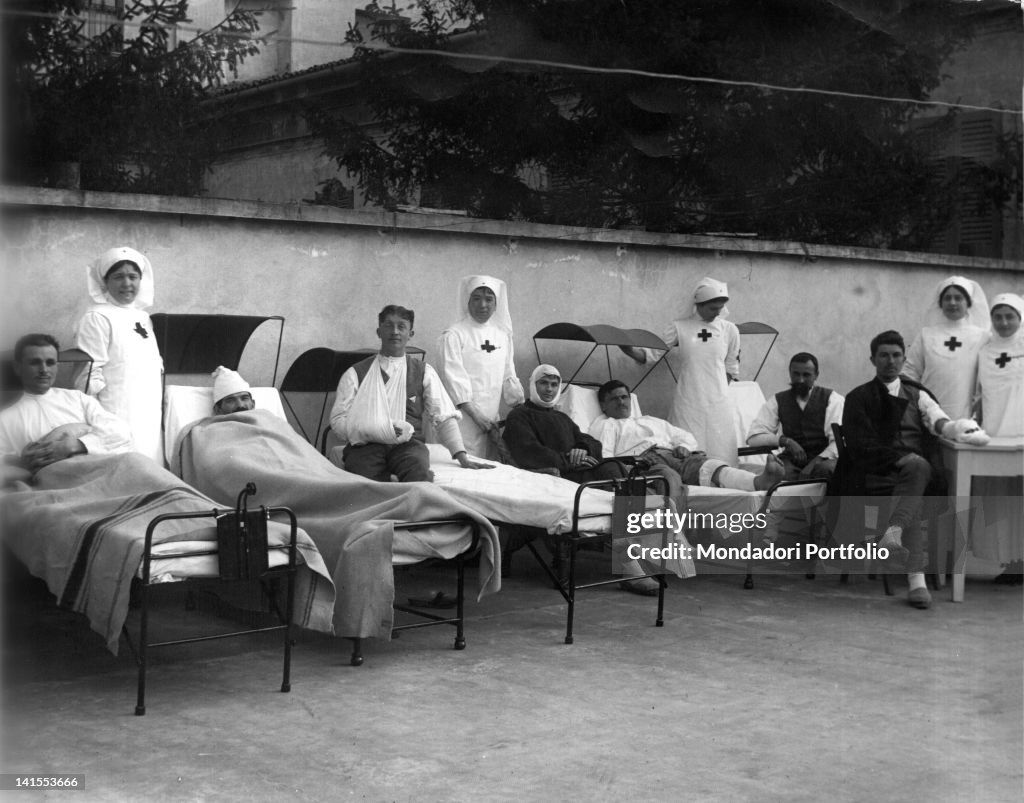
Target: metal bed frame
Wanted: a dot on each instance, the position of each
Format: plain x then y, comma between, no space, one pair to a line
432,619
577,539
288,570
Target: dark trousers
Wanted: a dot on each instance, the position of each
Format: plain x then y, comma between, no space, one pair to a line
409,461
907,485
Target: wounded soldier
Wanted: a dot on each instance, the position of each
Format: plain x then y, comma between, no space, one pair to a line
669,450
350,518
81,524
382,404
48,424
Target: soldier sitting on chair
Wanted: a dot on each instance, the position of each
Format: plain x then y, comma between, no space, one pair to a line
800,421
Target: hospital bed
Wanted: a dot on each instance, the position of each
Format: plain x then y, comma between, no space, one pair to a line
789,505
414,541
86,529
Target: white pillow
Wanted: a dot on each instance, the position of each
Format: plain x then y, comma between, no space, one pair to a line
184,404
580,404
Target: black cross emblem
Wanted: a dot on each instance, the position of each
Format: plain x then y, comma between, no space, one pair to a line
486,346
952,344
704,335
1003,359
141,330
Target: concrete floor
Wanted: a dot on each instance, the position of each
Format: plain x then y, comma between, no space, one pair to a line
797,690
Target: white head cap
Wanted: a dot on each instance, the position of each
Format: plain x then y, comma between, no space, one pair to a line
501,317
977,312
98,269
709,289
1012,300
227,383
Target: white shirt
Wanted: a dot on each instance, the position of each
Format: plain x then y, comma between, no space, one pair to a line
627,437
34,416
767,428
437,407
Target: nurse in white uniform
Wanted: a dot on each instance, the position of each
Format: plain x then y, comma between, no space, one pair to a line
709,350
477,362
1001,376
116,331
944,356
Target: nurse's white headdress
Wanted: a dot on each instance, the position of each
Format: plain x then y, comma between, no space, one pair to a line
501,317
97,271
1011,300
977,312
538,372
709,289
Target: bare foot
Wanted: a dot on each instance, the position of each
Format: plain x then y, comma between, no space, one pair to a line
773,472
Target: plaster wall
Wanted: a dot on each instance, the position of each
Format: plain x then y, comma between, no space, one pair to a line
329,271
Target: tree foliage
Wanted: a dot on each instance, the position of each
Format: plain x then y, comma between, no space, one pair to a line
541,143
121,101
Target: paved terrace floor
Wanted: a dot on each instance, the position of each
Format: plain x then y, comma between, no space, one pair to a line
797,690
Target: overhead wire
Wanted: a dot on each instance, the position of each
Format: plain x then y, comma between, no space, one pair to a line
545,63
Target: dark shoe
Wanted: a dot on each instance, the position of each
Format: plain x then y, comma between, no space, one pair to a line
920,598
645,586
439,600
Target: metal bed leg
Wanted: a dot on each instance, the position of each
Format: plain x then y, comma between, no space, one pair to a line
357,652
140,703
571,593
660,621
460,637
286,681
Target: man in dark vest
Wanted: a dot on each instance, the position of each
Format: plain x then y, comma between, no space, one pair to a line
890,426
383,403
799,420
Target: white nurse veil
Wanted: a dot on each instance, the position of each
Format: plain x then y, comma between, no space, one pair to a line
501,317
97,269
708,289
977,313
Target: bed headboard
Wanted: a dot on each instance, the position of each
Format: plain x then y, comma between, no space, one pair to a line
184,404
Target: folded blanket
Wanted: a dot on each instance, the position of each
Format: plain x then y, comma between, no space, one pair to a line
350,518
82,529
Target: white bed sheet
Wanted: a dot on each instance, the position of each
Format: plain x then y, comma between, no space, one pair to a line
515,496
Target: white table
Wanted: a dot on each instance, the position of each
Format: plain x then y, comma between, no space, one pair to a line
1001,457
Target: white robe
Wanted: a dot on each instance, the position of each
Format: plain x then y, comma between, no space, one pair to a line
1002,385
944,359
34,416
478,366
996,529
127,370
702,403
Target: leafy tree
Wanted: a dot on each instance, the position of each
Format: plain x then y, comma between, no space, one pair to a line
123,102
596,149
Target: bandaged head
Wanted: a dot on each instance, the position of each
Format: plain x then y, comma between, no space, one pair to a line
227,383
538,373
97,270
